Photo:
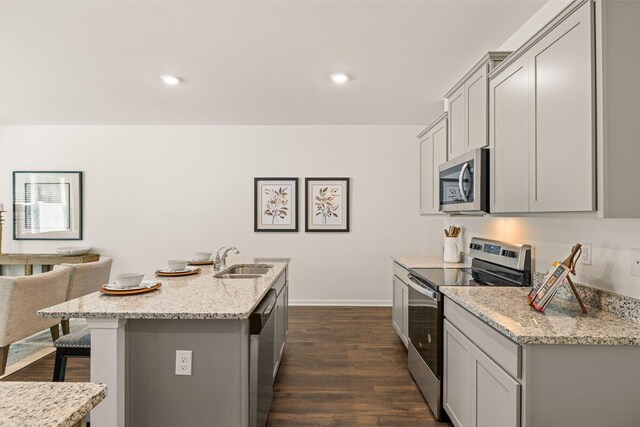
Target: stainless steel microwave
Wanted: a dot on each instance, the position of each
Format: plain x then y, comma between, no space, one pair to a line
464,183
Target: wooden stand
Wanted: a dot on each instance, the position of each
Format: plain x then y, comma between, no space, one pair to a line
570,263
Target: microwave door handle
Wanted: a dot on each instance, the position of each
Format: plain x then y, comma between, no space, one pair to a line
460,178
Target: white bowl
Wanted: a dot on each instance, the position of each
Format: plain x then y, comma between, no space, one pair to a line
73,250
202,256
129,280
177,264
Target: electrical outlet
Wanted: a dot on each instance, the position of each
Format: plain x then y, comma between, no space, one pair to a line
585,258
183,362
635,262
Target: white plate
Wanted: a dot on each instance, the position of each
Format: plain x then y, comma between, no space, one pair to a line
147,283
168,270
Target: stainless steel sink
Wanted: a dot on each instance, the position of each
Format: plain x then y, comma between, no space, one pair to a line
237,276
244,271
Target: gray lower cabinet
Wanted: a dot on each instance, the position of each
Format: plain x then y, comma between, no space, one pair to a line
400,307
281,329
491,381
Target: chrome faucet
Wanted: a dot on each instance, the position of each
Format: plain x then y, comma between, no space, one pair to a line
221,261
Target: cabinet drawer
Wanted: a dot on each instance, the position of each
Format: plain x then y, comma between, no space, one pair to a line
502,350
401,273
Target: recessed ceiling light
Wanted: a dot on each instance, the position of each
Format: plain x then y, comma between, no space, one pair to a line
171,80
339,78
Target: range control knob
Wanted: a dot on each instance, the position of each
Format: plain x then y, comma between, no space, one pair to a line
508,254
475,246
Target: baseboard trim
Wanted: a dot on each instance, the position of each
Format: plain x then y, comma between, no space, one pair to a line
337,303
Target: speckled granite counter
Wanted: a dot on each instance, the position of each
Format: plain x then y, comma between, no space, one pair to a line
425,261
506,309
199,296
47,404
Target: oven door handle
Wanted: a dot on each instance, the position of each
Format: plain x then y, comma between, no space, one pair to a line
415,284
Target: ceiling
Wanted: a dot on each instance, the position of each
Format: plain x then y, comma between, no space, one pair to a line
243,62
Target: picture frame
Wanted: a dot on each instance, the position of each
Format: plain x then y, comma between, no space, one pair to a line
328,202
47,205
275,205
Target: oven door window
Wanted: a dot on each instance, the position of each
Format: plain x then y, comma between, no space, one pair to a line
456,184
423,328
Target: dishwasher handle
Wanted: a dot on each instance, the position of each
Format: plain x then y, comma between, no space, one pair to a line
415,284
258,319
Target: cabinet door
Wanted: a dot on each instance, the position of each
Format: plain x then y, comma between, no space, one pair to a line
276,313
477,110
405,314
457,133
282,328
562,160
509,139
396,311
457,375
426,175
285,321
440,143
496,396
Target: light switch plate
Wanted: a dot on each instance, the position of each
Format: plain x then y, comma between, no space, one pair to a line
183,362
635,262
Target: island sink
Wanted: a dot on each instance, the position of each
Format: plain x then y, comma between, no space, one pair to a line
244,271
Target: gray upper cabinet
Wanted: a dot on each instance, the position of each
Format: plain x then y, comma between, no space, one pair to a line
509,135
468,107
562,162
542,120
457,139
433,153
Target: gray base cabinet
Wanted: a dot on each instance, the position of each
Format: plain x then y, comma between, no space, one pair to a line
491,381
400,308
281,328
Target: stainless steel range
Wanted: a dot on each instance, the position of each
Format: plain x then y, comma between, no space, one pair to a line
494,264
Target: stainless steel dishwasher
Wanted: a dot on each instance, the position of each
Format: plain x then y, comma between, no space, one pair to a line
261,348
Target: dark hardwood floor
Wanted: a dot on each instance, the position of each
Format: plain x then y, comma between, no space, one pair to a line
343,366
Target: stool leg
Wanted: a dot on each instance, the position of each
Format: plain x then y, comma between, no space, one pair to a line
4,356
55,332
65,327
60,367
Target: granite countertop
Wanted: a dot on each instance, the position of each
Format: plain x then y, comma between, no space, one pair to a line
506,309
47,404
200,296
425,261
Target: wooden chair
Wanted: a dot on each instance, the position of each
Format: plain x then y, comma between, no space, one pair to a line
20,300
86,279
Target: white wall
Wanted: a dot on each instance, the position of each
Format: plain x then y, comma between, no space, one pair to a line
538,20
155,193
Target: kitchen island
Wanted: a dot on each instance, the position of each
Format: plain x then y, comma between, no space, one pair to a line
134,340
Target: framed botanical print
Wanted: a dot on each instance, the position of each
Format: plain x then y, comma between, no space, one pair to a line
327,202
47,205
276,204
